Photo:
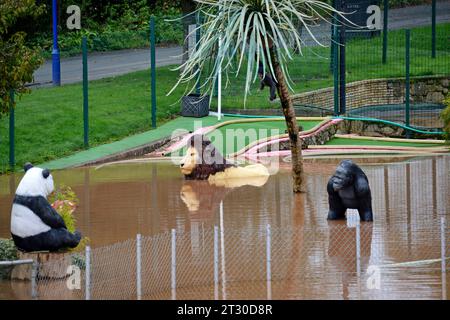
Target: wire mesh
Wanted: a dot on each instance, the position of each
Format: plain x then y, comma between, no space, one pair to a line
338,261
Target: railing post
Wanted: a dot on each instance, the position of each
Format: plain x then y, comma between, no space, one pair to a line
85,93
269,262
138,267
174,265
12,160
407,84
385,30
433,29
443,260
216,263
153,69
34,270
88,274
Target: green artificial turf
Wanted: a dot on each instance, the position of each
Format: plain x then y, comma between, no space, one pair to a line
233,137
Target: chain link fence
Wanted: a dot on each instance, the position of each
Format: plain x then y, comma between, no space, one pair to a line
350,260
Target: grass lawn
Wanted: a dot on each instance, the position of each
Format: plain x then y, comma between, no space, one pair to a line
312,71
49,122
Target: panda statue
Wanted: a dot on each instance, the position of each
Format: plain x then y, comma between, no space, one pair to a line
35,225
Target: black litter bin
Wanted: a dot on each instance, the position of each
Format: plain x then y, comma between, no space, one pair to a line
195,105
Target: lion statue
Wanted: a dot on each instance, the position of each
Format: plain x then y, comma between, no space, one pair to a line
204,162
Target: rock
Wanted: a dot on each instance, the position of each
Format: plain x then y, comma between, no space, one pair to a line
435,97
445,83
387,130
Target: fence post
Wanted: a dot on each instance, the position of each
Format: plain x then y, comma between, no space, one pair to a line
56,63
443,260
268,262
407,84
34,269
385,30
358,248
222,248
85,93
153,69
12,160
333,39
336,71
88,273
433,29
358,255
342,66
174,265
138,267
197,44
216,263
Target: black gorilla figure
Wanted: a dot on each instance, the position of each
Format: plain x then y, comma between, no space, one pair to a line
349,188
267,80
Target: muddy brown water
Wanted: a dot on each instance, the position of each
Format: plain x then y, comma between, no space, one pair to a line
310,256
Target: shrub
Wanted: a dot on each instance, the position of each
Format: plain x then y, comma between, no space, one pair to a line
8,252
65,201
445,116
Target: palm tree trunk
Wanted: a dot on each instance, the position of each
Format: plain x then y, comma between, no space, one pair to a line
291,122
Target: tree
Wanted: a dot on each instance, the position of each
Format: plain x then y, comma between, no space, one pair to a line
256,31
17,61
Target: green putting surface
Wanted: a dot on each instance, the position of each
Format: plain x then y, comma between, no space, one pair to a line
233,137
134,141
369,142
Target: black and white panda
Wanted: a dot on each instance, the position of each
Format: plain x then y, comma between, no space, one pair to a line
35,225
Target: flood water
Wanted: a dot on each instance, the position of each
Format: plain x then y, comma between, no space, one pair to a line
310,257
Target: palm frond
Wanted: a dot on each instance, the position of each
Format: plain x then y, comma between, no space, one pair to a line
234,31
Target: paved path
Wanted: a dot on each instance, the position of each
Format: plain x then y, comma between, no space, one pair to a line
102,65
107,64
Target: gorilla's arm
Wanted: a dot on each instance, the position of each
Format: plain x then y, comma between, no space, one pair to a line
337,209
364,196
49,215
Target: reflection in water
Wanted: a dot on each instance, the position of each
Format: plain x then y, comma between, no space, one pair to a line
349,252
310,257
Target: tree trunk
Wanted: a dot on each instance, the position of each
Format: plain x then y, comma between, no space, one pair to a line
291,122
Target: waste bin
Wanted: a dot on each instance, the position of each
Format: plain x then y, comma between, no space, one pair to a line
195,105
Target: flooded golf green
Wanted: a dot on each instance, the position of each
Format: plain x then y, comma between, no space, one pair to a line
255,241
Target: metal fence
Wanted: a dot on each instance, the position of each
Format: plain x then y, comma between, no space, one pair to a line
58,122
343,261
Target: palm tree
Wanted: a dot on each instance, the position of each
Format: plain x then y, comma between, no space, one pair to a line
234,31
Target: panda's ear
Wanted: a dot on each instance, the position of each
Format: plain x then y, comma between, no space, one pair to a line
27,166
45,173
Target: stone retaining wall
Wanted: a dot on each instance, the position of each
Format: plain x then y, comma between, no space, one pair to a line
431,89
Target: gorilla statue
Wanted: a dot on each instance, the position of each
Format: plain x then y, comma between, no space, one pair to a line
349,188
